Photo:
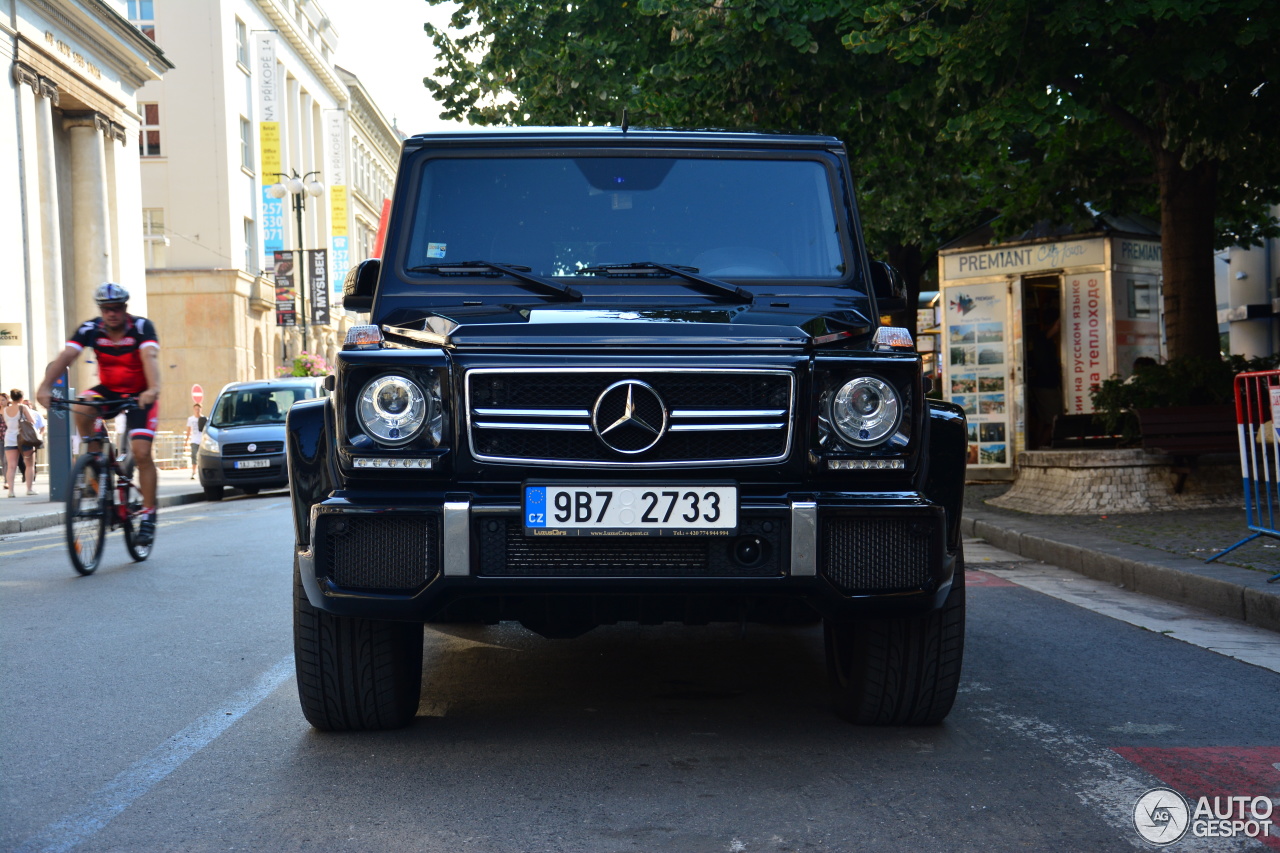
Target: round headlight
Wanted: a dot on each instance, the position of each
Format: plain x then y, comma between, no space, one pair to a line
392,409
866,411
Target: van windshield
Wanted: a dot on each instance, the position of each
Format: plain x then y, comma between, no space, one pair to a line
731,217
256,406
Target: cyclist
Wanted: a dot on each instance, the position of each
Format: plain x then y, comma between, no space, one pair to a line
128,366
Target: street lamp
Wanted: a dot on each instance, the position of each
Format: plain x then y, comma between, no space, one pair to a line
299,188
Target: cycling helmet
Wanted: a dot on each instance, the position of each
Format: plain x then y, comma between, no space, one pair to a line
109,292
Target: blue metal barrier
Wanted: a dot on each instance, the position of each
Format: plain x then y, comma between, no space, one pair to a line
1257,413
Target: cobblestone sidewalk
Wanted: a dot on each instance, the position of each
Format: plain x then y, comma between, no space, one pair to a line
1194,533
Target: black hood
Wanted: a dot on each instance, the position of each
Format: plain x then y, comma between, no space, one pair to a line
785,324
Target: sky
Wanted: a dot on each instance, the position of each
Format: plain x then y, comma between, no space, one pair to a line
391,54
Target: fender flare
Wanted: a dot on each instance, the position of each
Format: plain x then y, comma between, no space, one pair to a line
312,472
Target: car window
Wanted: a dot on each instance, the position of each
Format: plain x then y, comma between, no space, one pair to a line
249,406
734,217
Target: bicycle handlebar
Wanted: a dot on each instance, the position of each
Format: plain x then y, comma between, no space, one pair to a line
124,405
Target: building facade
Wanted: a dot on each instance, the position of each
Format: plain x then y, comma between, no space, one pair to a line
256,110
374,146
71,185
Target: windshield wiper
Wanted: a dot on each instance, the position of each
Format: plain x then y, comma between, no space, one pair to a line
516,271
689,274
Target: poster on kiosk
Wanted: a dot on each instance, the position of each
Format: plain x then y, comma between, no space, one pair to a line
976,373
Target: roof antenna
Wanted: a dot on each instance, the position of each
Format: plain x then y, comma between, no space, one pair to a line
626,121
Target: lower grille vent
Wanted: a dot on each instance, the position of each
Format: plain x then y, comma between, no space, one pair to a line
506,552
878,554
379,552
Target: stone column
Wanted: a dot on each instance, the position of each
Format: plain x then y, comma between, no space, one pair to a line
56,322
90,213
28,268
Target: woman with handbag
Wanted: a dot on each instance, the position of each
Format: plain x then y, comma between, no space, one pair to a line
21,439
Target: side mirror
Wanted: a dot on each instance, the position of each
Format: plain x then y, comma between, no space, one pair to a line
359,285
889,287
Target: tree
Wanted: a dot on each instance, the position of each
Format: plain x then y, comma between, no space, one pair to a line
1190,83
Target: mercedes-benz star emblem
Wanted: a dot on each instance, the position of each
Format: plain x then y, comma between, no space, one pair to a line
629,416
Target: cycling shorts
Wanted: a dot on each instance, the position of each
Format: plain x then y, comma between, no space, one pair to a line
140,424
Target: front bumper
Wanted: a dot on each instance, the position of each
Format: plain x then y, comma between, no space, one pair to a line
217,470
458,556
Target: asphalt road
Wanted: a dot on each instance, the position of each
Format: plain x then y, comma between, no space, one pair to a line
152,707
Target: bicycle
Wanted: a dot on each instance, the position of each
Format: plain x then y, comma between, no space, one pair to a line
102,495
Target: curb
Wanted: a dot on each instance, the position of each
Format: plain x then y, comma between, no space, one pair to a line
1222,590
53,518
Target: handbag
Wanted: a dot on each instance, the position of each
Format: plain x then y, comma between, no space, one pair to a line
28,438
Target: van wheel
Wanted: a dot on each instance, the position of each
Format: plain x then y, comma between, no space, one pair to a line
895,672
213,493
355,674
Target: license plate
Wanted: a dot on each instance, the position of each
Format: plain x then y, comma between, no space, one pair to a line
253,463
663,509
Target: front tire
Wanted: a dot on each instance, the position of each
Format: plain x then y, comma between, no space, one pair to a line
355,674
86,515
213,493
902,671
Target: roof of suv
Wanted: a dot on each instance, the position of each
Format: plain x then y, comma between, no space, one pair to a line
616,136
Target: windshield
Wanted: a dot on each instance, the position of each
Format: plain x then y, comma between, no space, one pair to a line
732,218
256,406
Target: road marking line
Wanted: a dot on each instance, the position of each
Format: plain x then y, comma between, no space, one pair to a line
1108,783
121,792
61,541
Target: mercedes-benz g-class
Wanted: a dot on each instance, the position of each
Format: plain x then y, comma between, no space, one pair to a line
620,375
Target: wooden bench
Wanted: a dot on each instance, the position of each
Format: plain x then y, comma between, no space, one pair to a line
1188,432
1079,432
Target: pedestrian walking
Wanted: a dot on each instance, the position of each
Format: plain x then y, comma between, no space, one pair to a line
195,434
38,420
4,430
20,442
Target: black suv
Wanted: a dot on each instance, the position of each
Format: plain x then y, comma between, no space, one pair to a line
621,375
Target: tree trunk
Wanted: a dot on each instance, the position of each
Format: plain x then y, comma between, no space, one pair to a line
1187,200
910,262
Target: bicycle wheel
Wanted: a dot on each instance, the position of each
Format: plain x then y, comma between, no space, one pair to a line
133,506
86,514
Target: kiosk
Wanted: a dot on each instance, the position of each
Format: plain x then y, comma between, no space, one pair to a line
1029,327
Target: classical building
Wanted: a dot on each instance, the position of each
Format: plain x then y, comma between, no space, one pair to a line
253,149
68,139
374,146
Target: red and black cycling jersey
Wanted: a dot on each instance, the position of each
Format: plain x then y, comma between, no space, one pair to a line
119,361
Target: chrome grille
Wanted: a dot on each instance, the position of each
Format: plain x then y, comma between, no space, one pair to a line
531,415
260,447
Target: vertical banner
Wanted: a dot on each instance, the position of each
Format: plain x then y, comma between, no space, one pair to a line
286,302
267,83
976,336
335,171
319,281
382,228
1084,358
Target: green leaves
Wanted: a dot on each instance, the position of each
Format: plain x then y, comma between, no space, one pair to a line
951,109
